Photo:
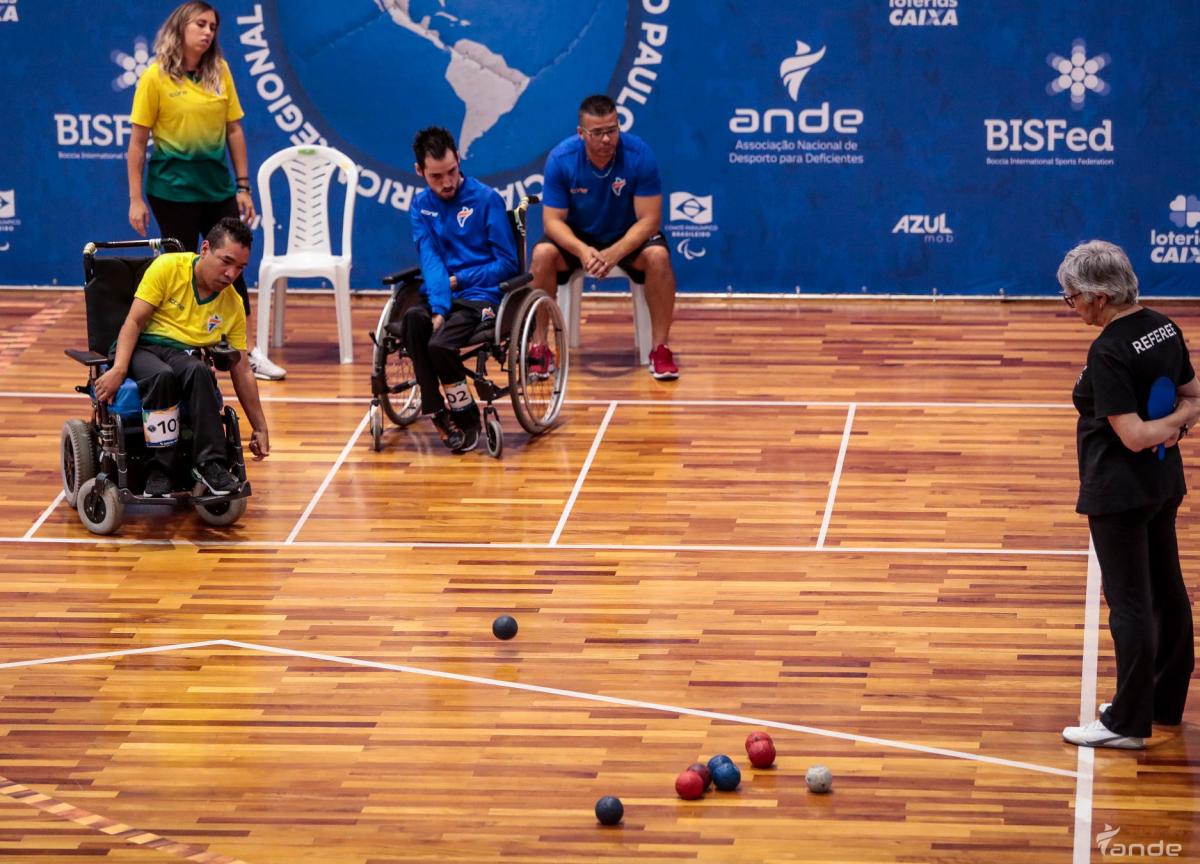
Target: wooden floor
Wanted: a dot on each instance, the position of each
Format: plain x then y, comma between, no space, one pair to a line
849,523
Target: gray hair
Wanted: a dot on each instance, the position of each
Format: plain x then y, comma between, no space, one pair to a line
1099,267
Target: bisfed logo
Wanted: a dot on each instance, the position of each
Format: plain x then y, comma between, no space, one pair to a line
935,229
1178,247
1037,135
923,13
806,121
92,130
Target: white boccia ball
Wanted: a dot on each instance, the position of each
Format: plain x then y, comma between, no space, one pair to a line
819,779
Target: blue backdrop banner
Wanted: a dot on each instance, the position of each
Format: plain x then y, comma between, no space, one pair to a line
817,146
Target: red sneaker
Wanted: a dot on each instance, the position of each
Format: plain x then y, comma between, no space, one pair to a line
662,364
540,361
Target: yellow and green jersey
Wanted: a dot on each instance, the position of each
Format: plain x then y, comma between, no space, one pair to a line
181,319
188,123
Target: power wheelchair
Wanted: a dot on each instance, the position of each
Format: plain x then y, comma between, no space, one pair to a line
104,458
524,312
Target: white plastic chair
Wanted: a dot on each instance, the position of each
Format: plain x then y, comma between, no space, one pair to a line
571,294
309,170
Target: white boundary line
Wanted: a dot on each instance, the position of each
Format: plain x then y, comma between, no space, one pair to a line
45,515
837,477
328,479
587,464
1086,759
665,403
594,547
555,691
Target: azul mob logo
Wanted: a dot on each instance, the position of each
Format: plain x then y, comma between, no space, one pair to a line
8,11
132,65
355,77
935,229
923,13
798,122
1157,849
1178,247
1051,135
691,223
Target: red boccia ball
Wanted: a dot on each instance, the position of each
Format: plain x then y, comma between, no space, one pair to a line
756,736
762,753
689,785
704,772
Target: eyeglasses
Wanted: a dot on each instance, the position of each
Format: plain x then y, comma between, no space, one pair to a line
1069,299
606,132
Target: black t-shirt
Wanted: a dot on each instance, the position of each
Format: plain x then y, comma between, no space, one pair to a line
1122,365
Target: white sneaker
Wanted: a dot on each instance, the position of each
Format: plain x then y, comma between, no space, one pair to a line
1096,734
263,368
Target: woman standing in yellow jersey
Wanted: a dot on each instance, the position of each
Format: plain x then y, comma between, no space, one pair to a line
187,99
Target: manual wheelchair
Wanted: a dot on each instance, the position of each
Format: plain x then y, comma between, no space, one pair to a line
524,314
104,458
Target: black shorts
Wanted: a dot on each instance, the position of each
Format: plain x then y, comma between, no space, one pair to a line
626,263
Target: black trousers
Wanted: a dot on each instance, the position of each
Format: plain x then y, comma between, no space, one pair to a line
168,376
189,221
435,356
1149,616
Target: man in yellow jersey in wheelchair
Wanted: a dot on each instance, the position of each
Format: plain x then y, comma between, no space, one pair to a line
187,302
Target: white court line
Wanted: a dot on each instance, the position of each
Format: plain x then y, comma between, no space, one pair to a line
649,706
837,477
1086,761
594,547
554,691
666,403
328,479
587,463
45,515
103,655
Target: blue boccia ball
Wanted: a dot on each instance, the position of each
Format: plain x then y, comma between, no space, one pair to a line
609,810
726,776
717,760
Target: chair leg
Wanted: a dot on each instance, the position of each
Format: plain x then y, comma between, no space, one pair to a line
280,292
641,323
569,297
341,301
263,325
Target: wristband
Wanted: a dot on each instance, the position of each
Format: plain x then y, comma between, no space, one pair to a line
242,187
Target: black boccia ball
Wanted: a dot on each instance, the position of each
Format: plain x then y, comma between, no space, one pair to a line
504,627
609,810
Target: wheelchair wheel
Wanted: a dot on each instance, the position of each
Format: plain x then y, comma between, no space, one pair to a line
398,392
78,458
100,510
376,426
537,392
222,512
495,437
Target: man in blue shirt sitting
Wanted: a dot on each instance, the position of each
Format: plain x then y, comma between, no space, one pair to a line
602,207
466,250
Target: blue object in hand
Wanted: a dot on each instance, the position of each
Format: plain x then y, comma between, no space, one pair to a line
1160,404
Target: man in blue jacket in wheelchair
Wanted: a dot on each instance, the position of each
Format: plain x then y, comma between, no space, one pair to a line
466,247
186,302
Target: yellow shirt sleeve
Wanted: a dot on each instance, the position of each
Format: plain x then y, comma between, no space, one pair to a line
233,109
145,98
237,332
155,281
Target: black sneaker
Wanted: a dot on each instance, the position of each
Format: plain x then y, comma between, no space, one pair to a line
467,419
448,430
157,483
216,478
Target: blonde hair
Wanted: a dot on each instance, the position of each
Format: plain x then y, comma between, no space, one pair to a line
168,46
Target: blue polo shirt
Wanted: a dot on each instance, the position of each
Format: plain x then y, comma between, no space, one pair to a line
599,203
467,237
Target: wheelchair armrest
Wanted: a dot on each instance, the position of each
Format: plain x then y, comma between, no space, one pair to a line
87,358
516,282
409,275
224,356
